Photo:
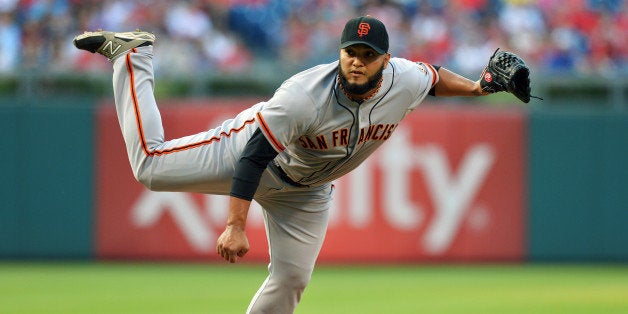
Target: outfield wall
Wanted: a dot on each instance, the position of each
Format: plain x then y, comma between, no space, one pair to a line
578,186
455,183
47,183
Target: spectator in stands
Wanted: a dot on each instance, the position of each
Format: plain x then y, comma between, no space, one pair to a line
10,43
578,36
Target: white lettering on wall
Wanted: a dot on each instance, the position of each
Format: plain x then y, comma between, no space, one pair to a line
452,193
397,161
186,215
451,189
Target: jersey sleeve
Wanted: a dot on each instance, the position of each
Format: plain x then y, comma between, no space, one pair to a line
286,116
423,77
432,73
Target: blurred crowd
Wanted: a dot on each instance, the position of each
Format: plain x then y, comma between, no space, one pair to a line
197,37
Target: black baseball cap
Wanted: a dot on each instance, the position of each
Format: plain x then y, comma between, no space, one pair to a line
365,30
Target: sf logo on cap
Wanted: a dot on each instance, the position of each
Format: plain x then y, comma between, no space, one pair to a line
363,29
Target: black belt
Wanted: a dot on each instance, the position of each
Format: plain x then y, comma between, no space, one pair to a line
282,174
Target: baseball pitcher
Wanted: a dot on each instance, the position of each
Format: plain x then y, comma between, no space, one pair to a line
285,152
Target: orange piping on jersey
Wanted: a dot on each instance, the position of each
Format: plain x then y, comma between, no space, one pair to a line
269,134
435,76
140,128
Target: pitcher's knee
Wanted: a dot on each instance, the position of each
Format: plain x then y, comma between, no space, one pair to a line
282,291
144,176
297,282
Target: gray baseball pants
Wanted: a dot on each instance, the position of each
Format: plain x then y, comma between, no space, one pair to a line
295,218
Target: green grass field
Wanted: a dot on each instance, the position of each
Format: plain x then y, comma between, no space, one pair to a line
197,288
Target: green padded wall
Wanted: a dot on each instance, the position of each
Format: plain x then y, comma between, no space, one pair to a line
578,186
47,185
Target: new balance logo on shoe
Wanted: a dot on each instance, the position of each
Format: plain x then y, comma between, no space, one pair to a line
109,46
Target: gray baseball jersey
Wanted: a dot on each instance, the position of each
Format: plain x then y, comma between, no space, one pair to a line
322,135
318,131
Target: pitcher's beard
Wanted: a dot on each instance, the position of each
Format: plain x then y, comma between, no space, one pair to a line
360,89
